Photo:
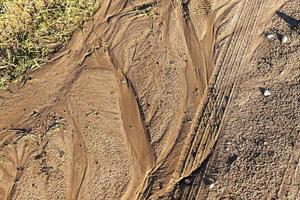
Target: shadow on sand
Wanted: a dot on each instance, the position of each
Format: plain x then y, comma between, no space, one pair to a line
292,22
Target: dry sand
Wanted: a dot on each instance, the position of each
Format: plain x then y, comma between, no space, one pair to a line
161,100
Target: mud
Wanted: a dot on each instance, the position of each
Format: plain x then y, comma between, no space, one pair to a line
160,100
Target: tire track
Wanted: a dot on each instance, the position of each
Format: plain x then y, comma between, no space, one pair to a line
207,103
228,90
215,110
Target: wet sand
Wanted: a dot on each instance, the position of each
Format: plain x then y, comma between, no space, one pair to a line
160,100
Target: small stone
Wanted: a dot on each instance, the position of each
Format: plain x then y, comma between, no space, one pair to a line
267,93
270,36
211,186
284,39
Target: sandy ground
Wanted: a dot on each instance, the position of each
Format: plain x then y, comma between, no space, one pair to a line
161,100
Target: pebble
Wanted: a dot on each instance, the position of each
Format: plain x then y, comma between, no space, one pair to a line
267,93
284,39
271,36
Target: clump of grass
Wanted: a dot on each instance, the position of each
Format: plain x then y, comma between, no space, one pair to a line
147,10
31,30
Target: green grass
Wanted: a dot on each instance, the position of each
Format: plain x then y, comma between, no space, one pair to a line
32,30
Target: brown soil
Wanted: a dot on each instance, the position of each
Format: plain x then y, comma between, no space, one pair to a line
161,100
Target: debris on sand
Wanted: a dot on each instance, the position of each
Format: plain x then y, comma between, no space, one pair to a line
265,91
283,39
273,36
211,186
270,36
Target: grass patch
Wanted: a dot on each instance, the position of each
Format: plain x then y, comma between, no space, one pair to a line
32,30
147,10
